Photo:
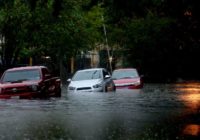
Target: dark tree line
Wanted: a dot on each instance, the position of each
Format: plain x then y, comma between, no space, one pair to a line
159,37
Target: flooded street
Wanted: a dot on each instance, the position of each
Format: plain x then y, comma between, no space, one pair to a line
158,111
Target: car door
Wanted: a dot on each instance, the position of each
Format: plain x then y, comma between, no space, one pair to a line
107,80
49,84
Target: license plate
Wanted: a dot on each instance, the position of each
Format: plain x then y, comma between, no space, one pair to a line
14,97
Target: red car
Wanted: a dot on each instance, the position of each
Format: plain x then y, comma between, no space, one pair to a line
29,82
128,78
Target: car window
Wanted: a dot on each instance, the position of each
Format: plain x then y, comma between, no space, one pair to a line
119,74
45,72
21,75
87,75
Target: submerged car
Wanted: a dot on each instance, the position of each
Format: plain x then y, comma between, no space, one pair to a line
92,80
127,78
29,82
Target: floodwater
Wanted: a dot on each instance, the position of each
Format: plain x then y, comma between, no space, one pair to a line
156,112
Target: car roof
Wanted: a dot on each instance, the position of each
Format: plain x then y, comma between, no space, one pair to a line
25,68
91,69
125,69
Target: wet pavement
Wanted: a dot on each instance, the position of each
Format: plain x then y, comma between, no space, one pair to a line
156,112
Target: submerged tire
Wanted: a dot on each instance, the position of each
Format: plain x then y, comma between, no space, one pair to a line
58,92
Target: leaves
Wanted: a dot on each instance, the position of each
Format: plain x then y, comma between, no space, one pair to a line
44,28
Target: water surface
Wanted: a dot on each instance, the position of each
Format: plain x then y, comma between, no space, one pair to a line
158,111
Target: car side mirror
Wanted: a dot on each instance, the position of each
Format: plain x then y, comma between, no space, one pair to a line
69,80
107,76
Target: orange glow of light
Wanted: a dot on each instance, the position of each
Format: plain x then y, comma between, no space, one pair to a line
192,129
191,100
190,94
188,13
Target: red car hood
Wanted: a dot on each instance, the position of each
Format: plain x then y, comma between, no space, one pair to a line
124,81
7,89
21,84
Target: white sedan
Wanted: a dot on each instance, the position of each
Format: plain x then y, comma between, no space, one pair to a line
92,80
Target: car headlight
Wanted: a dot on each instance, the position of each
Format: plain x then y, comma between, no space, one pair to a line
34,87
71,88
138,82
97,86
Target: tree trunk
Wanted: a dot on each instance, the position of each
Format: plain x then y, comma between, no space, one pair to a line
62,68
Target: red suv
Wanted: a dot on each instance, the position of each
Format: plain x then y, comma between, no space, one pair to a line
128,78
29,82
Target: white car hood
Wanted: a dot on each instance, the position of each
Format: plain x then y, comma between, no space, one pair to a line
85,83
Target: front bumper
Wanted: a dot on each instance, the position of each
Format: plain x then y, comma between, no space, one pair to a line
86,90
27,95
129,86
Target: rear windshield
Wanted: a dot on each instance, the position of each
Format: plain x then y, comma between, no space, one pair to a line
21,75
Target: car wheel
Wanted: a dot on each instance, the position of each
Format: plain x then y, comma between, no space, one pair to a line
58,92
110,87
105,89
44,93
114,87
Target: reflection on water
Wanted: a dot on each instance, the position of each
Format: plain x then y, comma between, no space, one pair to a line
192,100
190,95
192,129
124,114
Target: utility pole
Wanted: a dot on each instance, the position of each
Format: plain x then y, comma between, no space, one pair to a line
107,47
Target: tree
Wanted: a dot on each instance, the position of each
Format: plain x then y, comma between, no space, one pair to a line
55,28
160,35
13,24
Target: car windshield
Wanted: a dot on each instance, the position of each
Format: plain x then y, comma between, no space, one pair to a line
21,75
120,74
87,75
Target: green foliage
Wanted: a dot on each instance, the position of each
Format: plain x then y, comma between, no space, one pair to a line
48,27
150,31
156,35
94,23
146,30
13,23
